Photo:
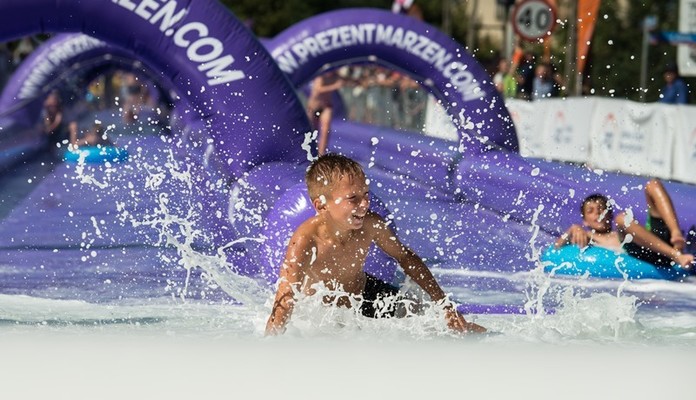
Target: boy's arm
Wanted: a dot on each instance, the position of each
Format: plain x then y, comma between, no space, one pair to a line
415,268
297,256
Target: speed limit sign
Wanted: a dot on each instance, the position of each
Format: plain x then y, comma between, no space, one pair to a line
533,19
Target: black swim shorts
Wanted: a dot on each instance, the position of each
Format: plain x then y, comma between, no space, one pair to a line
659,229
374,295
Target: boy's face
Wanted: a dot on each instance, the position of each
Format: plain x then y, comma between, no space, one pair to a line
347,203
596,217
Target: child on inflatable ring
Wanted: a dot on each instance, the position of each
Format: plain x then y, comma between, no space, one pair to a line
662,245
94,136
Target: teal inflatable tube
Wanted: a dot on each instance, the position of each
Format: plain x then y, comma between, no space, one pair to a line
599,262
96,154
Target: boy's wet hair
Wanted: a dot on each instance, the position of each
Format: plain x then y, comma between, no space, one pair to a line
601,199
327,170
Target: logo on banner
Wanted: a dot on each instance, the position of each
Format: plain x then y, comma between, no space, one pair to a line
563,131
53,63
632,141
292,55
607,140
201,48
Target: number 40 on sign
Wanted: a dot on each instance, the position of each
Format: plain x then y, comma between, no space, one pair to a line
533,19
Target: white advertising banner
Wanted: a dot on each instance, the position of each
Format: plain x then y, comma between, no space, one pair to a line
684,153
686,55
529,124
632,137
566,134
647,139
437,122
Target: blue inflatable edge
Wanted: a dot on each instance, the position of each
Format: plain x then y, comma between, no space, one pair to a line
599,262
96,154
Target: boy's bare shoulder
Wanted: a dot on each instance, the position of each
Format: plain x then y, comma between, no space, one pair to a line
306,233
374,223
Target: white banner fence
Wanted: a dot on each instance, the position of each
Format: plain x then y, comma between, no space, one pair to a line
648,139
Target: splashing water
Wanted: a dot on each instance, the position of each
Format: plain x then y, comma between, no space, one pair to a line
599,317
555,311
176,222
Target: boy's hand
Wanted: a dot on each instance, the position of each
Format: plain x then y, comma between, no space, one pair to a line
686,261
456,322
677,241
578,236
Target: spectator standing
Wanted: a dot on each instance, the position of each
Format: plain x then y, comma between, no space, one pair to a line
505,80
320,106
408,7
23,49
525,75
543,85
53,122
675,90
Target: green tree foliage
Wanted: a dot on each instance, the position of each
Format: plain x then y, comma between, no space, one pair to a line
613,65
615,59
270,17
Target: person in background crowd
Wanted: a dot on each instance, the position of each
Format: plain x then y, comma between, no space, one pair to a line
407,7
525,76
134,95
543,86
413,103
320,105
505,80
54,126
23,49
675,90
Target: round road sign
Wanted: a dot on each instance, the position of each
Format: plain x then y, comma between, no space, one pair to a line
533,19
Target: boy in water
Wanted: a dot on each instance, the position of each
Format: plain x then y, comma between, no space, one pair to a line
661,246
92,137
331,247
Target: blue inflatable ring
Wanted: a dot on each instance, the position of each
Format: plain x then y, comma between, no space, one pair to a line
96,154
599,262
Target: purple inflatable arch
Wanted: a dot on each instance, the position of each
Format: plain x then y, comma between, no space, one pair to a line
55,59
216,63
404,43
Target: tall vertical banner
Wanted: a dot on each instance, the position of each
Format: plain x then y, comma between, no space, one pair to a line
684,153
587,19
686,54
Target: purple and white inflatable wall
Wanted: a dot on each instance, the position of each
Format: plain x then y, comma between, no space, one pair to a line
220,68
406,44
